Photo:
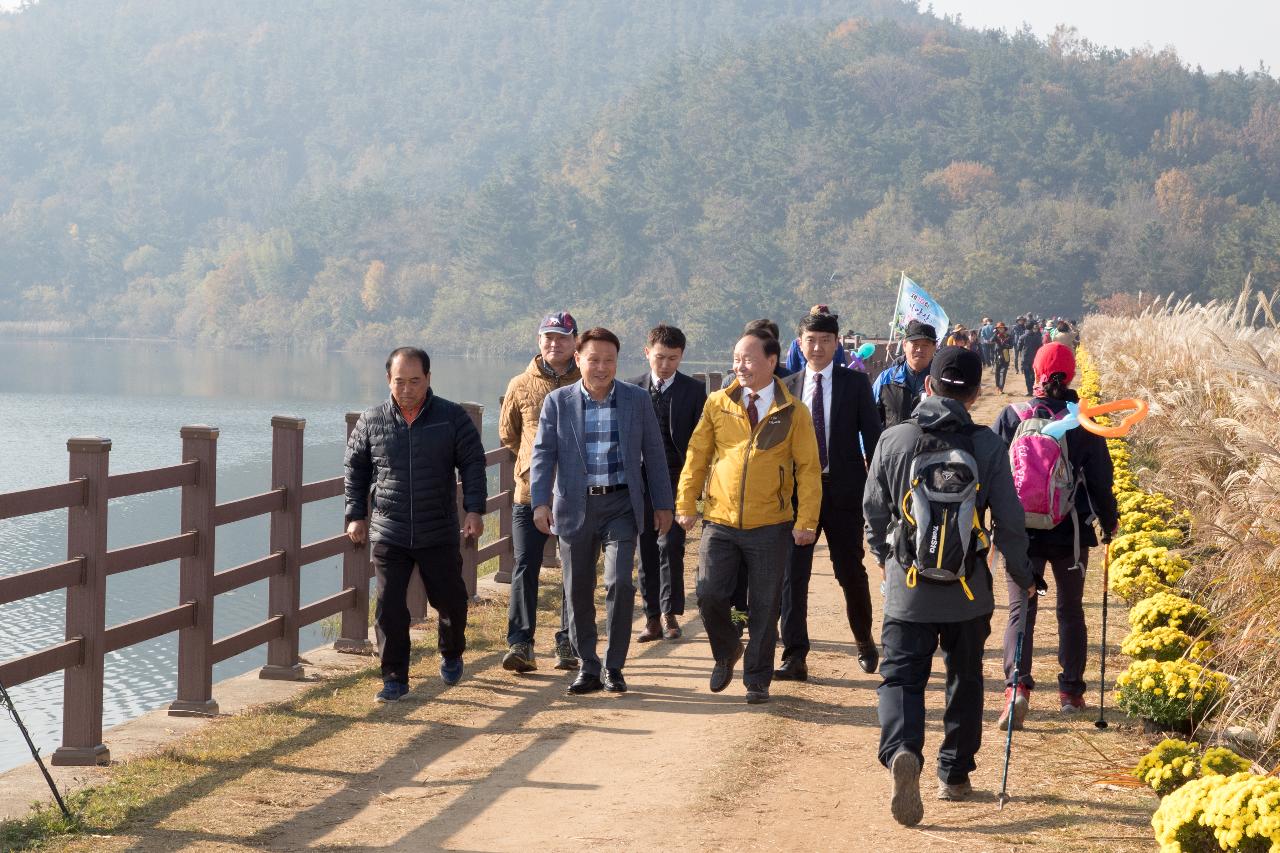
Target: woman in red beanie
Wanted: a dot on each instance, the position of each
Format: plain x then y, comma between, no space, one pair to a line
1064,546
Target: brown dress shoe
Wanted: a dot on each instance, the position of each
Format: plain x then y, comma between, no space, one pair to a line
652,630
672,627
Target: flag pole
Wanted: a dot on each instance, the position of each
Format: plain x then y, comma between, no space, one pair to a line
897,303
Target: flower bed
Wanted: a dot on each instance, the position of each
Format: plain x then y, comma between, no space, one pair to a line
1210,801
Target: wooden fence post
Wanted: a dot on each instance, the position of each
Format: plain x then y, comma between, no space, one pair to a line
195,664
286,537
353,637
86,608
469,565
506,483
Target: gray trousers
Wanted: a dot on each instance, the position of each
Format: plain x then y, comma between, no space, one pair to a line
764,551
610,525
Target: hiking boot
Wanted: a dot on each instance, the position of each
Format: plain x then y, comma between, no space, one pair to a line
652,630
565,657
451,670
392,691
519,658
906,806
670,627
1020,706
1071,702
954,792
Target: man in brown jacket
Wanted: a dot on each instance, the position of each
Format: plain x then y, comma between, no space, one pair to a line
552,368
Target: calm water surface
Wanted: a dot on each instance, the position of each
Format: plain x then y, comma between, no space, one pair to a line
139,395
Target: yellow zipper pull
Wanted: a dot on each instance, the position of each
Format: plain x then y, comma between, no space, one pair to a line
911,578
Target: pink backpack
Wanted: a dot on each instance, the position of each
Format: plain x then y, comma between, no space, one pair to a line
1042,471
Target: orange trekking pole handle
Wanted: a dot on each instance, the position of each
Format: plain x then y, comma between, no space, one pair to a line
1087,413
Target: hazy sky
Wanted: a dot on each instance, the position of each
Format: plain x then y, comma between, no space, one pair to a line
1218,35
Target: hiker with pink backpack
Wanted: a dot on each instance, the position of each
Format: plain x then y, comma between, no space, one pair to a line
1065,484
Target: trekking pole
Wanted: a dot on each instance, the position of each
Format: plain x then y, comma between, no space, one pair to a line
1101,722
7,701
1003,796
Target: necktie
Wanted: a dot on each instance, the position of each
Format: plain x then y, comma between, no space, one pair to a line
662,383
820,419
752,414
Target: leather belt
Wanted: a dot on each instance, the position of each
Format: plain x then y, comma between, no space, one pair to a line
605,490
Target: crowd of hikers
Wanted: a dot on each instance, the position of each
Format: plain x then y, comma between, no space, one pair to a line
799,443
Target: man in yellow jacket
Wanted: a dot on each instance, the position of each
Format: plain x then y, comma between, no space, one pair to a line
755,448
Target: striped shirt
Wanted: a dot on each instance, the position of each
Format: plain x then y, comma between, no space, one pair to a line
603,445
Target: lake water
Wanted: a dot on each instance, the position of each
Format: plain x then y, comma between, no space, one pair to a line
139,395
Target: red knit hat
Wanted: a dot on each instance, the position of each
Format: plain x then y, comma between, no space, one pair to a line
1054,358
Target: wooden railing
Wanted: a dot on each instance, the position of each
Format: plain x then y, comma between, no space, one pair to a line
84,573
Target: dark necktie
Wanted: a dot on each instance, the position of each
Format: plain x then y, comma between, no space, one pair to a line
662,383
820,419
752,414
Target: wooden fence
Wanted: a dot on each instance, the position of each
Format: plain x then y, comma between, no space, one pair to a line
89,563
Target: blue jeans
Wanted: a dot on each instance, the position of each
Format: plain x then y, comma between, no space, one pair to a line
522,612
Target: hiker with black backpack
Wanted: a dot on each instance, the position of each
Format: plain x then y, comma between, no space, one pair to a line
1063,484
932,483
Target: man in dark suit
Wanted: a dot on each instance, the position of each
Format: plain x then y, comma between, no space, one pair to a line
597,452
677,402
847,425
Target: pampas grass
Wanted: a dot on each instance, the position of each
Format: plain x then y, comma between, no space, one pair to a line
1211,374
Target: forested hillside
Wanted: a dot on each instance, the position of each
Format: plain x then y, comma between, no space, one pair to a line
351,174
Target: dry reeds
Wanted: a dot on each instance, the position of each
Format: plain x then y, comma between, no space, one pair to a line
1212,443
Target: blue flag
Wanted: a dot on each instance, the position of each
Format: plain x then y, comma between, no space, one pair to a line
915,303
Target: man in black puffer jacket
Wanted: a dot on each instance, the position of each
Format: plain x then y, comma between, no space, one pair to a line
408,449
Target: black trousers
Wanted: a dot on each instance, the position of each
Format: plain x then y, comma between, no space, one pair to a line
441,568
843,528
661,573
1002,371
908,649
1073,635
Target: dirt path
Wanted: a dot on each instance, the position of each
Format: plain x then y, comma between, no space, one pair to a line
511,763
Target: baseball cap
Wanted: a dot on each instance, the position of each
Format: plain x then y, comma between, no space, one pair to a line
957,367
559,323
917,331
1054,358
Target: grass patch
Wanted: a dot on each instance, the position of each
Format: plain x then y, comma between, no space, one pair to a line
180,786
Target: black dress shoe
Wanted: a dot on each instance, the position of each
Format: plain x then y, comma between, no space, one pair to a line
585,683
614,682
757,695
792,669
868,657
722,672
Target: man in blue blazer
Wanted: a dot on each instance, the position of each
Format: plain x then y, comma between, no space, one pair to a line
598,446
